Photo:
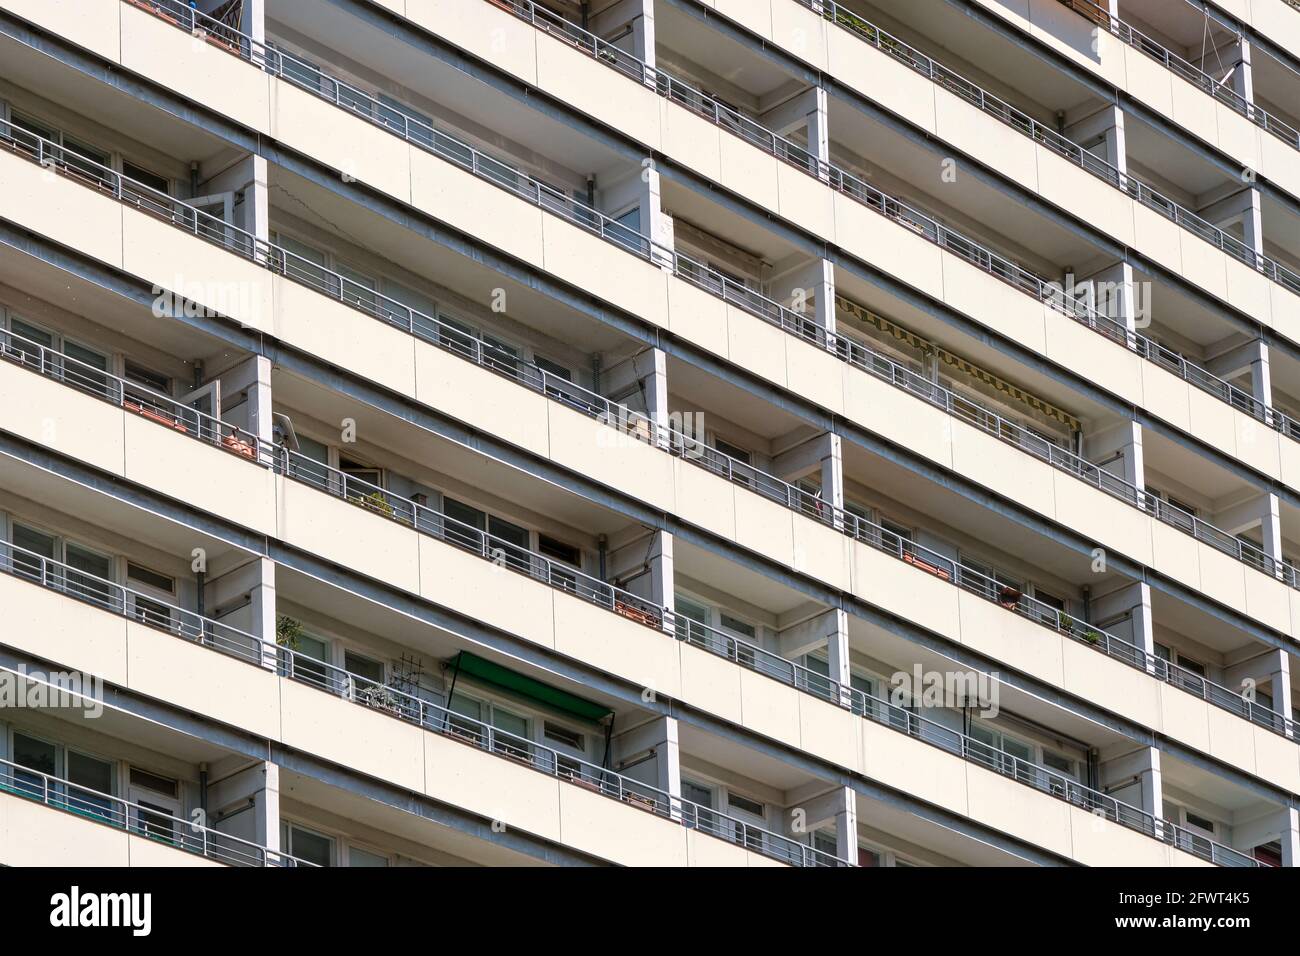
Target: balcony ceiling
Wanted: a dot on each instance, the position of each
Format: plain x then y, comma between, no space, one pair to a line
683,37
118,114
398,68
952,37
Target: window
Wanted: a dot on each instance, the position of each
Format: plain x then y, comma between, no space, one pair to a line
37,755
142,575
88,574
305,263
358,857
559,550
370,671
895,538
92,778
149,379
35,545
158,802
563,735
28,338
514,741
360,480
310,660
745,805
465,522
84,367
358,288
553,368
697,793
1198,822
146,178
733,451
308,845
35,128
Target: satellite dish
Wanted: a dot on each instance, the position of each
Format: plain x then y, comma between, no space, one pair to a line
283,429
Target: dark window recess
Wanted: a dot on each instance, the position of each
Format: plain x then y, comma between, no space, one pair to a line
149,379
559,550
152,781
563,735
142,575
146,178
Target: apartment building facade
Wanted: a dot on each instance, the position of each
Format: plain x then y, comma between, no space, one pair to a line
649,433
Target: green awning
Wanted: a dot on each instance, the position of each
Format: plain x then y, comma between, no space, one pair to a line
515,683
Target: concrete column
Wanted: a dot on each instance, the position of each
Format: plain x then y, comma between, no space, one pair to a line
1242,207
1108,123
1261,511
1118,449
1282,825
809,290
1289,835
1135,600
829,630
806,111
822,456
640,189
1114,294
651,754
244,801
243,598
638,16
1134,778
643,565
837,807
246,396
1272,668
247,180
1243,81
1251,357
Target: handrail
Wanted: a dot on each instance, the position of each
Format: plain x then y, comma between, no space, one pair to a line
435,524
236,240
1059,144
199,629
783,148
131,396
575,770
294,665
146,822
1193,74
690,270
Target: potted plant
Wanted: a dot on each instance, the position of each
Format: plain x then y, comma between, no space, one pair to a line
377,502
287,631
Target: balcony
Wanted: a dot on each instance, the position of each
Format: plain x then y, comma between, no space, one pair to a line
140,822
171,414
1212,87
394,702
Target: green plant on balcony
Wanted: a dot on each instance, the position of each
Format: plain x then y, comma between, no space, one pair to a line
287,631
377,502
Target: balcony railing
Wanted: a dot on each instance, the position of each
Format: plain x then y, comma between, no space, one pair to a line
398,703
974,253
1046,781
168,412
144,822
131,396
1181,67
970,411
312,79
573,770
199,629
1017,119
